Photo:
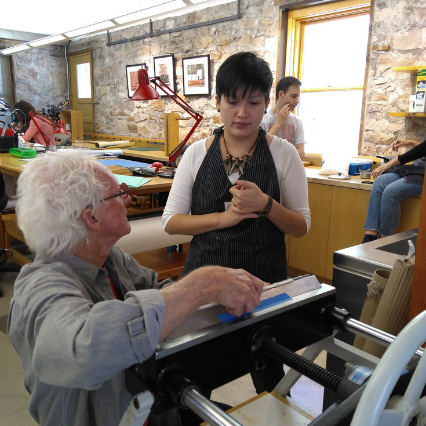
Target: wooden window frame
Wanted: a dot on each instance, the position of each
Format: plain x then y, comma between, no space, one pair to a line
295,22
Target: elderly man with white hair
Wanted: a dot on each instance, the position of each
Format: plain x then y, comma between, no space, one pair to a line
84,311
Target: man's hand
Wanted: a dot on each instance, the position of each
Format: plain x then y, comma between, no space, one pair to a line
235,289
282,114
238,291
247,197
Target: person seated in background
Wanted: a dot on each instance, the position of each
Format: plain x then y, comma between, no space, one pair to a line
394,182
30,129
280,121
84,311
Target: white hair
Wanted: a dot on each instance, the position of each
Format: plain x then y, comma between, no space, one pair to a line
53,191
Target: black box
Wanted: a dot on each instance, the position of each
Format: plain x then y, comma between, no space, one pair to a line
7,142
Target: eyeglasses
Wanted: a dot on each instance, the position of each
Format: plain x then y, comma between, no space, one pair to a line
124,192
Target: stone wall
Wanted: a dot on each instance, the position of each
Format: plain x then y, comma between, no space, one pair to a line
41,73
41,76
400,25
115,113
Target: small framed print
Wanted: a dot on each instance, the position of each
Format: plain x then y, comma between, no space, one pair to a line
196,75
132,78
164,68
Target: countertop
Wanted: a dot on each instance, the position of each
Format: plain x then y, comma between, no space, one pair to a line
353,183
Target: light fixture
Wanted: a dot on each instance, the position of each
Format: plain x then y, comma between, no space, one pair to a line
150,11
90,29
15,49
59,133
47,40
146,93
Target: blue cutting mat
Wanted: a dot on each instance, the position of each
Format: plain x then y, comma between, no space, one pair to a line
123,163
267,303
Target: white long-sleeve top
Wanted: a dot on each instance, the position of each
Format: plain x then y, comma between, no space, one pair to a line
290,171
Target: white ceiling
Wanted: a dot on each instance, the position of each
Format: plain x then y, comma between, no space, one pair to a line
57,17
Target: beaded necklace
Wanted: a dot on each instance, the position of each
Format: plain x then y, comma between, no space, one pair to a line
240,162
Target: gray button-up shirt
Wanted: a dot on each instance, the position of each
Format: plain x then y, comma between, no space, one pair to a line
75,339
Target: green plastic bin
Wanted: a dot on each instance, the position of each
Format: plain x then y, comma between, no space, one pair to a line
23,152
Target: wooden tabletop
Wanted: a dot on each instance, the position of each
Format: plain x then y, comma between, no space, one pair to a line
13,166
156,184
149,155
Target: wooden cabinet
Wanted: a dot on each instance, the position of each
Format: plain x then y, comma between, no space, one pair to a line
338,215
309,253
75,120
348,212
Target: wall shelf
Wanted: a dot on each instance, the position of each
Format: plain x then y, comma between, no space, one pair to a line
411,69
407,114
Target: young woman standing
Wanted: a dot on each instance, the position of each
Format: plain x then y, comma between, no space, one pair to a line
240,191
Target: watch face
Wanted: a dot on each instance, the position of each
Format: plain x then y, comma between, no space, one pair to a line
263,213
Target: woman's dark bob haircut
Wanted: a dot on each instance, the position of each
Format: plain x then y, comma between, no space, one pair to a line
245,70
26,108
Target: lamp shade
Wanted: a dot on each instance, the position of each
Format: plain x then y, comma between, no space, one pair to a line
144,92
60,132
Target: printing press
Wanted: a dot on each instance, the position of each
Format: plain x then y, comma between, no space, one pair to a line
212,348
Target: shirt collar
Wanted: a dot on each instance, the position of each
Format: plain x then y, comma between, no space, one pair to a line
87,271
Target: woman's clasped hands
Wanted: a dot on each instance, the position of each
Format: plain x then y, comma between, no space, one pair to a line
247,198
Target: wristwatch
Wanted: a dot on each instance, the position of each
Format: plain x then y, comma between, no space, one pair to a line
265,211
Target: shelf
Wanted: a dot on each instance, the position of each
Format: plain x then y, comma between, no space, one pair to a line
412,69
407,114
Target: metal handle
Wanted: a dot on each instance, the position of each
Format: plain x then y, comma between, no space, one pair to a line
374,334
204,408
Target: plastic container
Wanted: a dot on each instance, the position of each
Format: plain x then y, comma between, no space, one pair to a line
23,152
357,165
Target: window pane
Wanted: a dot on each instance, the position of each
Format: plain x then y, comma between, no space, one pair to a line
6,88
334,52
331,121
84,87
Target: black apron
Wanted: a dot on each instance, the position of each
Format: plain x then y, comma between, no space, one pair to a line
255,245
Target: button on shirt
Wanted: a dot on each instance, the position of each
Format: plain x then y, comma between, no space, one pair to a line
75,339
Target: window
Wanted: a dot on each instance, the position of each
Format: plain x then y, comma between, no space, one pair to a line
326,50
6,86
84,86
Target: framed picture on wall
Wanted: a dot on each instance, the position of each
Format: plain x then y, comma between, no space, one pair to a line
132,77
196,75
164,67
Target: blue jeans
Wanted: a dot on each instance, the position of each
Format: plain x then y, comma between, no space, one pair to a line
384,208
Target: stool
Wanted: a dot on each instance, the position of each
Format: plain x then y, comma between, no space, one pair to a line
11,231
167,265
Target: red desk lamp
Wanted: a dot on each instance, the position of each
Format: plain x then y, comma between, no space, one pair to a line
146,93
59,133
